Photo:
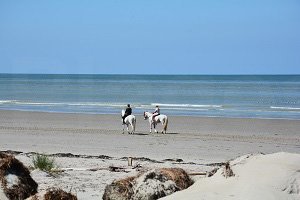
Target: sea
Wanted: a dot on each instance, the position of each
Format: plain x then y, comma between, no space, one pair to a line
232,96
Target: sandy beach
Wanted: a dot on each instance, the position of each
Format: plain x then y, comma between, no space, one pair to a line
195,141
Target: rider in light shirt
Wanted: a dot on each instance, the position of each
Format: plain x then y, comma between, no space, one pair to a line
156,112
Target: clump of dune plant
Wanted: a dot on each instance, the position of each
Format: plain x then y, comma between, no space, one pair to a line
43,162
58,194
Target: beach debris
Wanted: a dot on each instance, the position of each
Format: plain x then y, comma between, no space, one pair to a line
142,159
15,180
227,171
117,169
137,167
130,161
149,185
173,160
110,168
197,174
11,152
70,155
219,164
212,172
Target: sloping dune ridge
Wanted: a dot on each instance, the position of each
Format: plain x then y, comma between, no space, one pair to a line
269,177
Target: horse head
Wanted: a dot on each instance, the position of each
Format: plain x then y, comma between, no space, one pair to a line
145,116
122,113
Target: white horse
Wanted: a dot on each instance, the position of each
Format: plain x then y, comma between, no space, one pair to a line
129,120
163,119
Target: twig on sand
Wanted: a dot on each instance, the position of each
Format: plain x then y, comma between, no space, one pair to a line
197,173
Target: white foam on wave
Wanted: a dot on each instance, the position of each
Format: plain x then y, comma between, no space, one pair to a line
18,102
7,101
38,103
284,108
187,105
98,104
174,108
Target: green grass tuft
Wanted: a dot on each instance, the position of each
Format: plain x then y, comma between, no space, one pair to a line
43,162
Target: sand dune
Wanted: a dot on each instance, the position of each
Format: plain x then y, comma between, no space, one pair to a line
269,177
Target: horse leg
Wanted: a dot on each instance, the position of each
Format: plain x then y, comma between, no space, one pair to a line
127,128
131,124
123,128
150,126
155,127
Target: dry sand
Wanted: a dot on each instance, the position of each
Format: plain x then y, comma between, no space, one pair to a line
196,140
268,177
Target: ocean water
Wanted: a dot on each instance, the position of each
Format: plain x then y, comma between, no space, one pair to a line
246,96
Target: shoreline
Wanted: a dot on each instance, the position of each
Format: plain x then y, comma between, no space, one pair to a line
178,115
288,113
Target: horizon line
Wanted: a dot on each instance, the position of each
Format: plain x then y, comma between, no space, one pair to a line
163,74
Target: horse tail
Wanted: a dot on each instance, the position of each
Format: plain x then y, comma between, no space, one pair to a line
134,124
166,125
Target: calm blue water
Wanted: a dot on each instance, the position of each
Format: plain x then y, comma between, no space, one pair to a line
272,96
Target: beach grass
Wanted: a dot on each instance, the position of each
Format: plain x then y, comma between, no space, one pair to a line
43,162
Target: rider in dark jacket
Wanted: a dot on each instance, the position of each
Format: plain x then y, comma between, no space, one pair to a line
128,112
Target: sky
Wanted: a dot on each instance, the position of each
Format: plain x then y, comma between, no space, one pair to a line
150,37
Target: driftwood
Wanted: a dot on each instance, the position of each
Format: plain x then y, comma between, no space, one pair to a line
197,173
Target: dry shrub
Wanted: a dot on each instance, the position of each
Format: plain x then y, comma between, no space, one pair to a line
58,194
119,190
148,185
153,185
227,171
179,176
25,186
